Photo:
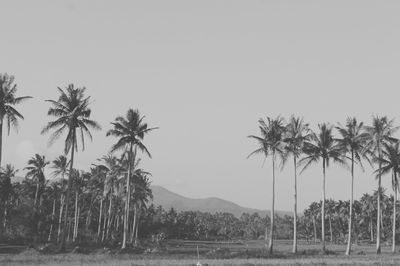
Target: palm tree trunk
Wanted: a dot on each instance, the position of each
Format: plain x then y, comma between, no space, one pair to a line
330,229
109,216
36,194
371,230
315,230
101,212
104,224
128,198
76,216
348,250
1,138
394,215
271,235
295,208
52,220
60,217
323,209
137,231
64,232
378,218
77,223
134,223
5,215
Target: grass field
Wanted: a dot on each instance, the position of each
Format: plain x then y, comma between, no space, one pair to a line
213,253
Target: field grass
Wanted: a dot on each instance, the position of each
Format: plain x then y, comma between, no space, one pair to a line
213,253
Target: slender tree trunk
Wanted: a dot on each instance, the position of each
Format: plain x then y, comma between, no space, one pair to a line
52,220
323,209
295,208
271,235
348,250
99,225
330,229
137,231
5,215
128,198
77,224
394,215
371,230
378,218
76,216
315,230
36,194
60,217
104,223
134,223
64,232
1,138
109,217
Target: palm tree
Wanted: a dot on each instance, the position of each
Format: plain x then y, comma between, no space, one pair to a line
72,114
8,101
368,210
379,133
60,168
35,168
6,188
297,132
130,131
271,141
390,162
322,146
352,141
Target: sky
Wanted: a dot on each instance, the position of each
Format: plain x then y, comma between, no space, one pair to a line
204,72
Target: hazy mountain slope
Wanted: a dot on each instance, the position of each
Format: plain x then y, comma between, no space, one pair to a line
169,199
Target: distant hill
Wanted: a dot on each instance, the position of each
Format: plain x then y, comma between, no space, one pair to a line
168,199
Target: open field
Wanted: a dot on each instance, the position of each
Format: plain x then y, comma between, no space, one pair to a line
213,253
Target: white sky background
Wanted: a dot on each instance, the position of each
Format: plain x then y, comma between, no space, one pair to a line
205,72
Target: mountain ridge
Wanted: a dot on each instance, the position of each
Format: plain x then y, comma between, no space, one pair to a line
169,199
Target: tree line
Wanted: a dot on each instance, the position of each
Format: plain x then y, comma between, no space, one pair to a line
353,144
117,177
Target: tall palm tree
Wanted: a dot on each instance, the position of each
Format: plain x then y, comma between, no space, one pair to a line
72,115
6,188
322,147
379,133
390,163
297,132
353,140
130,131
270,143
60,169
8,101
35,168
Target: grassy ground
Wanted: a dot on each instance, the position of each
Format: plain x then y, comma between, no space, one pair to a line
213,253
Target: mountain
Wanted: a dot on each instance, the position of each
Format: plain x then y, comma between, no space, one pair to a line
168,199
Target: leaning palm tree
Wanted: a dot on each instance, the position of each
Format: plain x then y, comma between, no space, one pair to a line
390,163
353,140
297,132
322,147
130,131
72,114
379,133
8,101
35,168
270,143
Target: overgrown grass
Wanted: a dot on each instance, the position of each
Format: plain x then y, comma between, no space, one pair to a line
213,253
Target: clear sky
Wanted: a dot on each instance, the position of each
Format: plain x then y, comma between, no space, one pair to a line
205,72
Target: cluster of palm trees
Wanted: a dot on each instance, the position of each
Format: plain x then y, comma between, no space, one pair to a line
353,144
72,117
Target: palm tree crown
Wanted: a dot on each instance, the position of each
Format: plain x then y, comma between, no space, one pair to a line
72,113
8,100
